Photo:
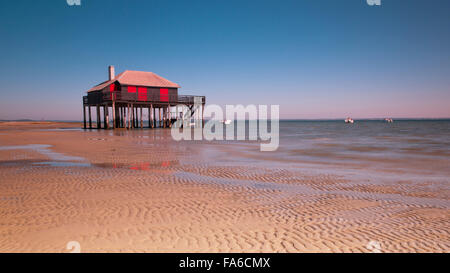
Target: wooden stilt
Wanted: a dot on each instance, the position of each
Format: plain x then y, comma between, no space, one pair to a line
114,114
149,118
105,125
84,116
203,116
138,117
154,117
176,112
90,118
107,116
130,116
99,125
164,117
119,115
122,117
134,116
142,118
170,118
126,117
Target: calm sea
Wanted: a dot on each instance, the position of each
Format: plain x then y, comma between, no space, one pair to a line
405,146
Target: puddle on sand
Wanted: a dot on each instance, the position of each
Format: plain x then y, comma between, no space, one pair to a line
56,159
63,164
143,166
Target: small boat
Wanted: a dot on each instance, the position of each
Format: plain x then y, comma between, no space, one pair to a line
226,121
388,120
349,120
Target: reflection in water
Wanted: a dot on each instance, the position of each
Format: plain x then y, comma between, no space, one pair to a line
63,164
142,166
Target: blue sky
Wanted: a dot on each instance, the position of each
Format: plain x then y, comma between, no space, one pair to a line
315,58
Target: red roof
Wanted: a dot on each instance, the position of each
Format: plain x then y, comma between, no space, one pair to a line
137,78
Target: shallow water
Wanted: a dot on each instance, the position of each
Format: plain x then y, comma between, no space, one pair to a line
405,145
58,159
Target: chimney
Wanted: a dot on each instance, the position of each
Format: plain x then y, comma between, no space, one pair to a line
111,72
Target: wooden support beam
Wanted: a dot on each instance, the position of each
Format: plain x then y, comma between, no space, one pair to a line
124,121
136,117
114,114
126,116
105,124
142,118
203,116
90,119
130,116
121,117
118,117
164,117
84,116
107,116
149,118
169,116
99,125
154,117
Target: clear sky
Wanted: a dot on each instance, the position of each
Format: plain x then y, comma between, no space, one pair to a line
315,58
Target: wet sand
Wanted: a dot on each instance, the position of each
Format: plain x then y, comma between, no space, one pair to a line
139,191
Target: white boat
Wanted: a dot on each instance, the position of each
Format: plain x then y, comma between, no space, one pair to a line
388,120
349,120
226,121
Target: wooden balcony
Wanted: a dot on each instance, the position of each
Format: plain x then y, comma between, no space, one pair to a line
106,97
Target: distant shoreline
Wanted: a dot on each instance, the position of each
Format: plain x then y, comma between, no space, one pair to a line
281,120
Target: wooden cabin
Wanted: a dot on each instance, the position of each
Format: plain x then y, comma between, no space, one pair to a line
135,96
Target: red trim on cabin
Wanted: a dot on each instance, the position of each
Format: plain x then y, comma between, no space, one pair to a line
131,89
164,94
113,87
142,93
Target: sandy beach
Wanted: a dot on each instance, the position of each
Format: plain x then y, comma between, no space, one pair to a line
140,191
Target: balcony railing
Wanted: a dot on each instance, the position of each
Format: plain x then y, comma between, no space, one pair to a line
188,99
134,97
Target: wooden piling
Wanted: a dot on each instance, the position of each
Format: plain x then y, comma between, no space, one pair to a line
129,115
203,116
154,117
84,116
142,118
90,118
105,125
149,118
123,117
114,114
